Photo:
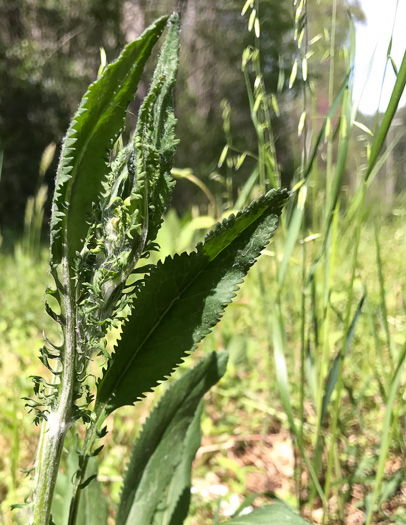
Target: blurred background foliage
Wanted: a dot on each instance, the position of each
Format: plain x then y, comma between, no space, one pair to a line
49,53
282,404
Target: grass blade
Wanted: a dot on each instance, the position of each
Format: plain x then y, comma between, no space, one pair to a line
333,374
386,435
284,392
380,136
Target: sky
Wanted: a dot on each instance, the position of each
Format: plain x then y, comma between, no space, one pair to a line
375,35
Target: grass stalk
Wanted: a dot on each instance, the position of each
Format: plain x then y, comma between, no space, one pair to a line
381,280
386,435
380,136
329,168
339,386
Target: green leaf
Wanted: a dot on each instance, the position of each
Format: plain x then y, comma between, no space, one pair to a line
64,488
97,124
279,343
167,67
386,434
137,191
247,502
334,371
155,140
276,514
380,136
170,438
139,187
182,299
93,508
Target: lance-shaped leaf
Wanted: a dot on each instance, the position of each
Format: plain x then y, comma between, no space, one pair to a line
276,514
182,299
98,122
170,437
334,372
155,141
139,186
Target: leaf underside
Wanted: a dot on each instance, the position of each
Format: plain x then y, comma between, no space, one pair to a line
157,484
182,299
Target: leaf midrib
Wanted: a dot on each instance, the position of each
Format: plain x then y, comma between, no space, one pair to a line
159,320
165,312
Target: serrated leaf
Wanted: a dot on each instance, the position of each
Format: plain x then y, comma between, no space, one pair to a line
139,187
93,131
276,514
170,437
182,299
158,122
167,67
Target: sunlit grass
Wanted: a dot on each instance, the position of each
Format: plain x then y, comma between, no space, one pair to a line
330,289
246,405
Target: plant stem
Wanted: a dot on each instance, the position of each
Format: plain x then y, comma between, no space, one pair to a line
48,464
91,436
60,419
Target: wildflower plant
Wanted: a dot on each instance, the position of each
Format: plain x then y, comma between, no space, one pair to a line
106,213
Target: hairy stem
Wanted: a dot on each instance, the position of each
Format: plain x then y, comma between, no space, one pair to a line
60,418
